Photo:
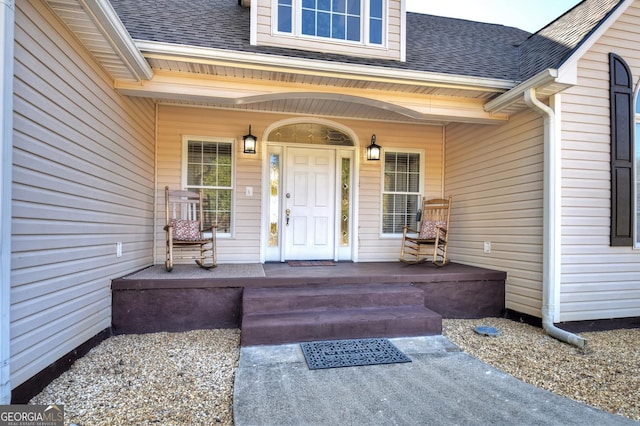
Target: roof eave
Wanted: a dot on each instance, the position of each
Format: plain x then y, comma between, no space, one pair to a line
513,100
304,65
113,28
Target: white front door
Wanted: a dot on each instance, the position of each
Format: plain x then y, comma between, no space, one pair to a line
309,204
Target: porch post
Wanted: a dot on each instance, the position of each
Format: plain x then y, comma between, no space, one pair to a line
7,20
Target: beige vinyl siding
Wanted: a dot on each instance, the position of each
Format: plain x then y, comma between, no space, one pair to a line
82,181
372,245
267,36
598,281
244,244
494,174
175,122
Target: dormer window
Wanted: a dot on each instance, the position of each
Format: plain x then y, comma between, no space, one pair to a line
357,21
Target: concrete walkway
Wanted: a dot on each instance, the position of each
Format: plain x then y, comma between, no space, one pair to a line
441,386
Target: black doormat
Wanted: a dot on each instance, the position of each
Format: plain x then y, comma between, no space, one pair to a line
311,263
351,353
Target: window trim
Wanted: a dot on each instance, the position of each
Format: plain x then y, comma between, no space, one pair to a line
421,162
296,26
184,169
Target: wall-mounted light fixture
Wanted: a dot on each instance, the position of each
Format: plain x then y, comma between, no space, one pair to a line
373,150
249,142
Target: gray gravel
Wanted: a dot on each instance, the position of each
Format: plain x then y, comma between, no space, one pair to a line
605,376
187,378
160,378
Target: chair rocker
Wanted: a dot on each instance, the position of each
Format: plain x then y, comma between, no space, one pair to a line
187,237
430,241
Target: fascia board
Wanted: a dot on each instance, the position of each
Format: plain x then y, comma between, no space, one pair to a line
306,66
112,27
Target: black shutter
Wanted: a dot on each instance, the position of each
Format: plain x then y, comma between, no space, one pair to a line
622,123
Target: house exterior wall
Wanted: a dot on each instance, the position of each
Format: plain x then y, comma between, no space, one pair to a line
495,176
244,245
598,281
82,181
266,35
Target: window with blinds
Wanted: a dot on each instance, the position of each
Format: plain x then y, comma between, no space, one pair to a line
401,190
209,166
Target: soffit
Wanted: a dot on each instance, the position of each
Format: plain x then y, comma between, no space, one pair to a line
221,70
96,32
312,93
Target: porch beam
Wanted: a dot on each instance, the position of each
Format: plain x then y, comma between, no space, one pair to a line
232,92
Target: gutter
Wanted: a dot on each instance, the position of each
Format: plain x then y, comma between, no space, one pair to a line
7,24
551,223
542,79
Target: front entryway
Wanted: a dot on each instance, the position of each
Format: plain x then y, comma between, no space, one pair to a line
309,180
309,204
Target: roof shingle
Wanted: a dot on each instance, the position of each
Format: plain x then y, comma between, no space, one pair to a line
434,44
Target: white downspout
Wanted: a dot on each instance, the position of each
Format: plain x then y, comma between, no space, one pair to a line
551,223
7,21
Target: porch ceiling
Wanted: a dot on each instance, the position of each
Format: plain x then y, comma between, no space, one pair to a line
312,92
213,78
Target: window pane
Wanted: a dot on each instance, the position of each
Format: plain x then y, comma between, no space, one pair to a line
217,209
338,27
353,28
324,5
285,11
353,7
308,22
339,6
324,25
274,199
375,22
375,9
311,4
345,196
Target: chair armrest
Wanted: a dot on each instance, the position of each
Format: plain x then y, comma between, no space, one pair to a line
406,231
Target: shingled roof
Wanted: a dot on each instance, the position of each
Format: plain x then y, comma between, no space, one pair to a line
553,44
434,44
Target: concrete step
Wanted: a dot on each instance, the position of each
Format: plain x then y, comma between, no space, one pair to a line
284,299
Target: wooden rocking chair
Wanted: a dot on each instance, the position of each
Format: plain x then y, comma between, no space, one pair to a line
185,230
431,239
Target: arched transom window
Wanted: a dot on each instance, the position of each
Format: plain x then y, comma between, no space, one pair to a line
310,133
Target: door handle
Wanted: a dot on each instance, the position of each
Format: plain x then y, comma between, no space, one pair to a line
288,214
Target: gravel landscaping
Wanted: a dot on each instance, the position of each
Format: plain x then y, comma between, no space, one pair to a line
605,376
187,378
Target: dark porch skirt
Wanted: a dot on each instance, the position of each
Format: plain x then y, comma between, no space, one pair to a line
188,298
